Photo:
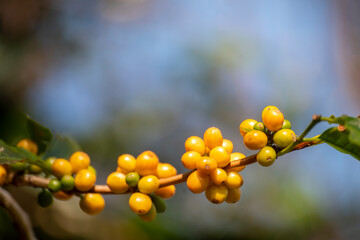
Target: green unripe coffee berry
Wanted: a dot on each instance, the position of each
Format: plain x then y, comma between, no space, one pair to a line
132,179
159,203
284,137
266,156
67,182
286,124
18,166
54,185
259,126
34,169
49,161
45,198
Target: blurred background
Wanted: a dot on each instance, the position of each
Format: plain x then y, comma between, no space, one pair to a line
124,76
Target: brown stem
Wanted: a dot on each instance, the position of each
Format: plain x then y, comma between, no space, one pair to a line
36,181
21,219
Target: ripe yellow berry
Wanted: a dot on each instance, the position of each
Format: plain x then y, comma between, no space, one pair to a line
61,167
61,195
196,144
228,145
116,182
218,176
234,195
216,193
85,180
150,215
207,151
3,175
197,182
221,156
79,160
206,165
234,157
29,145
266,109
189,159
255,140
92,203
165,170
234,180
148,184
146,163
126,163
213,137
140,203
166,192
272,118
246,126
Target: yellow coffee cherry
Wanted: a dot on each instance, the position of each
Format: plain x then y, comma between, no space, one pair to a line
216,193
140,203
189,159
148,184
166,192
237,156
150,215
218,176
234,180
165,170
221,156
206,165
266,109
196,144
126,163
79,160
146,163
234,195
228,145
213,137
29,145
85,180
92,203
61,195
255,140
247,126
207,151
116,182
197,182
272,118
61,167
3,175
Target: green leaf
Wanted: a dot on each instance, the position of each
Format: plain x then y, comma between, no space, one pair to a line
340,140
352,125
62,147
39,134
15,125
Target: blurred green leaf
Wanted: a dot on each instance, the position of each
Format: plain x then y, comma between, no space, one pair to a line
340,140
11,154
62,147
15,125
39,134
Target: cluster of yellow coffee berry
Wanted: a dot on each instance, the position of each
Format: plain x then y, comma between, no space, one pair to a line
208,156
273,133
66,175
141,176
